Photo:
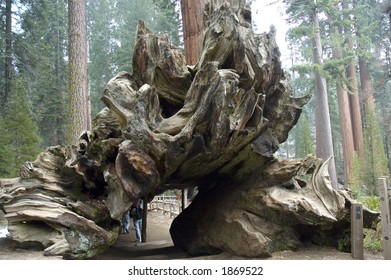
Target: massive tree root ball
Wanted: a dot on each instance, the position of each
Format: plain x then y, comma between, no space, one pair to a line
215,125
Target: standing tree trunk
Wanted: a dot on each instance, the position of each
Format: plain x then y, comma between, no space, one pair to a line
8,54
193,26
354,99
375,157
366,84
355,111
343,107
346,130
78,119
324,141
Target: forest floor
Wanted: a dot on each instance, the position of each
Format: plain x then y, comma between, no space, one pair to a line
159,246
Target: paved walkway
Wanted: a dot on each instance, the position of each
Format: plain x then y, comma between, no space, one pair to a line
159,245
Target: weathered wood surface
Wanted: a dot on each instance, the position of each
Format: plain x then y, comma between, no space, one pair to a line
385,201
215,125
266,214
357,234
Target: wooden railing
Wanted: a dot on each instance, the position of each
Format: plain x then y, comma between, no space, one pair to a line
166,204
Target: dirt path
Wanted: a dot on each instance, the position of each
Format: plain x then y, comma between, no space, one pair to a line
159,246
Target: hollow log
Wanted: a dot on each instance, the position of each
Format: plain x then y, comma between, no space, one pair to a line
215,125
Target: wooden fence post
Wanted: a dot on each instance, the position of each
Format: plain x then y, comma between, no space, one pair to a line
357,232
385,216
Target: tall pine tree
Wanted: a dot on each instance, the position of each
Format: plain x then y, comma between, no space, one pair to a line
40,51
21,142
78,106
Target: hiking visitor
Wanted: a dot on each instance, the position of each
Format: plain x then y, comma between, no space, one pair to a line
126,221
137,215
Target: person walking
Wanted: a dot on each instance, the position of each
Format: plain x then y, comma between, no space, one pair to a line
126,221
137,215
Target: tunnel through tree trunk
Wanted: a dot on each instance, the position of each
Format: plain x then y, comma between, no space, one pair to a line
215,125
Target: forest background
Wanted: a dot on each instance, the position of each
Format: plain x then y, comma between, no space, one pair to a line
339,51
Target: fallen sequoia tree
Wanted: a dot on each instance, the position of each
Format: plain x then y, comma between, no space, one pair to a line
215,125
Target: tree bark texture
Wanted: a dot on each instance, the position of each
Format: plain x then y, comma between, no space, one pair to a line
324,140
215,125
366,85
356,117
345,122
78,108
193,28
354,98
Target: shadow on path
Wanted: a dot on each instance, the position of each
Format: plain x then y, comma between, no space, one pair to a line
159,245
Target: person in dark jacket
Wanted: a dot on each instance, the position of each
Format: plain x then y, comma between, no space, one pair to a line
137,215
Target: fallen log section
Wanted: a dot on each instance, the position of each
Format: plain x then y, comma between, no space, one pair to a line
215,125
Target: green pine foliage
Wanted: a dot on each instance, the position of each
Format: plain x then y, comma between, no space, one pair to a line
2,46
40,50
6,151
167,19
357,179
20,141
375,160
305,143
365,172
111,27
